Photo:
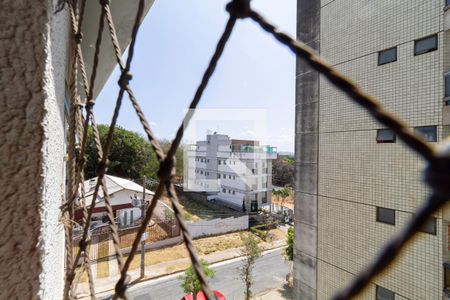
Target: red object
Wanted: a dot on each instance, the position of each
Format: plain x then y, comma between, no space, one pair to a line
201,296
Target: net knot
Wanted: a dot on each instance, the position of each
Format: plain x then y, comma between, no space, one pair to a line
239,8
437,175
165,171
78,37
102,166
124,79
90,103
83,244
104,2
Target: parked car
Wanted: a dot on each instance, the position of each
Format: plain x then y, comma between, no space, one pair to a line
201,296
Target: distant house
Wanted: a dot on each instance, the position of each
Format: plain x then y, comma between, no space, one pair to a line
121,192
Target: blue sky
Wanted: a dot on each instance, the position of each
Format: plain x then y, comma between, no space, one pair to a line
174,46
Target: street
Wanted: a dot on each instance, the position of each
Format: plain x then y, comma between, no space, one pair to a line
269,273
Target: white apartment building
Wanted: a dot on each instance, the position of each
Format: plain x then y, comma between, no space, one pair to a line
236,173
357,185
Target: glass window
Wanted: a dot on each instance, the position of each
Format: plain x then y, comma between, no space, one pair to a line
447,277
427,132
447,84
387,56
384,294
447,2
430,226
224,190
386,215
425,45
385,136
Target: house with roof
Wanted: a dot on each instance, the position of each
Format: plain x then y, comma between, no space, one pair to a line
124,195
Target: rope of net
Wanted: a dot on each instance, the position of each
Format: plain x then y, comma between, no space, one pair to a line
436,175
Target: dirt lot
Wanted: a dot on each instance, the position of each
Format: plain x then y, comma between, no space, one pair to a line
194,210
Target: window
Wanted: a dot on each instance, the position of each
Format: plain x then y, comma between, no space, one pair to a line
384,294
253,171
447,277
234,177
430,226
234,192
220,162
387,56
264,199
229,176
385,136
224,190
447,2
427,132
218,175
425,45
447,88
386,215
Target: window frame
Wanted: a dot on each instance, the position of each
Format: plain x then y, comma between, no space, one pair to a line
379,141
447,91
418,128
379,220
379,288
428,50
385,50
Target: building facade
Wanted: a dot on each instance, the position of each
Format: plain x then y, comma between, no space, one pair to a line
356,184
237,173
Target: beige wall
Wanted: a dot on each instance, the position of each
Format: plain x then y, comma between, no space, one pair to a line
355,173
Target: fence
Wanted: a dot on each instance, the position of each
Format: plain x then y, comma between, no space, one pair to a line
437,173
159,230
217,226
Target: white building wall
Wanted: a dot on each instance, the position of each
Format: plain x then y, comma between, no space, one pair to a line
355,173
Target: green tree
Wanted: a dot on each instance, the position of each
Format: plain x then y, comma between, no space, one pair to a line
190,282
288,254
289,250
251,252
283,194
131,156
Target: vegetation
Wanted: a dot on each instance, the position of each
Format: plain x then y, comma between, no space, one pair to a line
131,156
288,254
282,193
251,251
283,170
190,282
289,250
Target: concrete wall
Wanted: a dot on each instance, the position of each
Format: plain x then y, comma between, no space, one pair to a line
306,156
33,51
217,226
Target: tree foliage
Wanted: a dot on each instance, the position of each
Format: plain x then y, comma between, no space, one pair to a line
283,171
131,156
251,251
289,250
190,282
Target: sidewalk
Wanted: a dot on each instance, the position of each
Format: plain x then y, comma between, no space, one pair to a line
106,285
283,293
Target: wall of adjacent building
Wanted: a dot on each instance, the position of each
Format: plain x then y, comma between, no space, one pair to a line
34,61
355,174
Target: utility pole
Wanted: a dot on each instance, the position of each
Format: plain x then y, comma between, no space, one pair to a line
144,236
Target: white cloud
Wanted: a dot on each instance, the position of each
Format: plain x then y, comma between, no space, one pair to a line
153,123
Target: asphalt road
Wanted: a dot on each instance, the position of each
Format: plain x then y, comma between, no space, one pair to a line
269,273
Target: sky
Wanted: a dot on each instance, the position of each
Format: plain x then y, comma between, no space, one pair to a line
254,79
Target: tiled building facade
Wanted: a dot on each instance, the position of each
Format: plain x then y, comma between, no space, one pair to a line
355,190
